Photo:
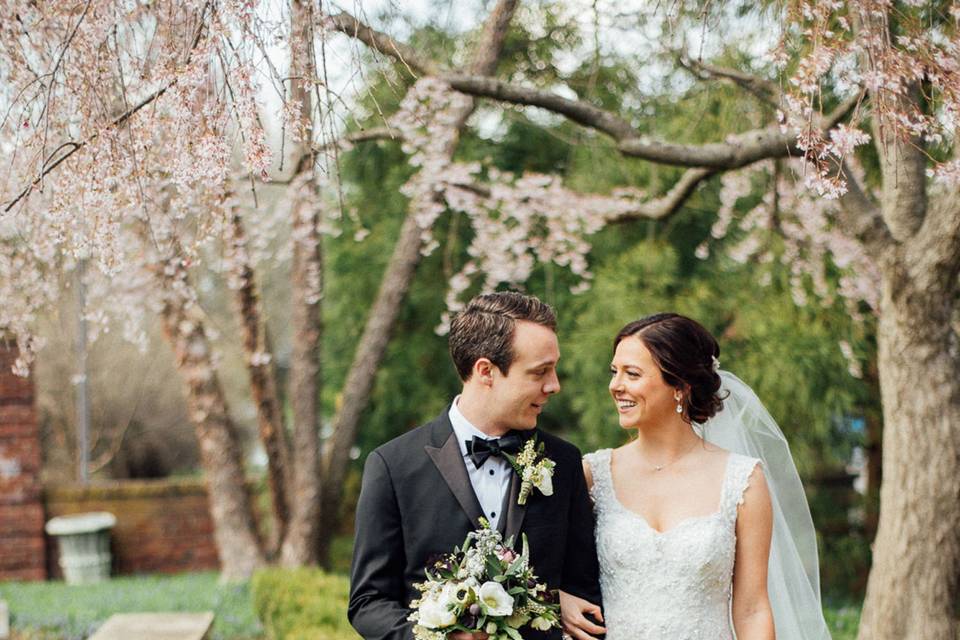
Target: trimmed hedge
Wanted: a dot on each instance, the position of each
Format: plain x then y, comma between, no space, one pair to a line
302,604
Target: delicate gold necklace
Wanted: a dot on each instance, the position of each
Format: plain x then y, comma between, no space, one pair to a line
661,467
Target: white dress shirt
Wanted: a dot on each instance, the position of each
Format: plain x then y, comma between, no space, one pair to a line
491,481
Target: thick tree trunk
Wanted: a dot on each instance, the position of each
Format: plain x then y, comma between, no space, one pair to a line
220,452
300,544
356,390
393,290
913,586
263,386
873,445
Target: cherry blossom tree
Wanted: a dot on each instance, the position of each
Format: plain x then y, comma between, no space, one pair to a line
122,124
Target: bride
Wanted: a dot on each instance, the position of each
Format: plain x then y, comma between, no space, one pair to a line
703,530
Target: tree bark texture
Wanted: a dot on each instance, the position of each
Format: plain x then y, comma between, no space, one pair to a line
263,385
235,532
913,585
300,544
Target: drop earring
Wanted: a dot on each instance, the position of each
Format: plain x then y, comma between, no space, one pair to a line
679,398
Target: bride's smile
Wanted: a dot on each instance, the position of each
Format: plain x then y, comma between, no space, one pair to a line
642,397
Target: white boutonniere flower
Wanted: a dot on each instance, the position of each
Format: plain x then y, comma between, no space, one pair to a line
535,470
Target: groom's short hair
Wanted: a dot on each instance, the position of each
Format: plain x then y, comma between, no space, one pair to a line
485,328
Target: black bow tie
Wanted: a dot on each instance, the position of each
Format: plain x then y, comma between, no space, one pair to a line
480,449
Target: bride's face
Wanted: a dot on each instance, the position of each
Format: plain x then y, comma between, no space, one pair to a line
637,386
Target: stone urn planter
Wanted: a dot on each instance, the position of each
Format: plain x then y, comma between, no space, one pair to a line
84,543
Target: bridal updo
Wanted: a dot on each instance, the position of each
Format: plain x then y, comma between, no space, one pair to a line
685,353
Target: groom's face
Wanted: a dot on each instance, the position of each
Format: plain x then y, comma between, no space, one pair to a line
519,397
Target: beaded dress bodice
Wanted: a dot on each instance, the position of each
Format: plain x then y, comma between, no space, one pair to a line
674,585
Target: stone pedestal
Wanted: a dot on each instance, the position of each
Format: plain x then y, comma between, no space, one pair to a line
84,544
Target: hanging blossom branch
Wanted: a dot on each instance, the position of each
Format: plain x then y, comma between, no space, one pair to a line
803,233
185,96
517,221
55,158
508,213
853,44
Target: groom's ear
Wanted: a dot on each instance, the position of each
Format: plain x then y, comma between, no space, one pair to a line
483,371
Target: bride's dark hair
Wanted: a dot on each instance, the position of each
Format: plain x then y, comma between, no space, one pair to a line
685,353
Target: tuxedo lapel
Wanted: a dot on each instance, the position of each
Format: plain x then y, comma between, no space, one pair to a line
510,525
449,462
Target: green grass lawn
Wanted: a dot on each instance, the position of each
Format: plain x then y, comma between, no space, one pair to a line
55,611
842,619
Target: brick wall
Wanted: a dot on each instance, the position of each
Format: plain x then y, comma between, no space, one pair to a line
163,526
21,509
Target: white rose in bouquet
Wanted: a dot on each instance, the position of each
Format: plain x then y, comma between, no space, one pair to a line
494,600
435,613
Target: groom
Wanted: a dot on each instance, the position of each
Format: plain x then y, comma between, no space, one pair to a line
425,490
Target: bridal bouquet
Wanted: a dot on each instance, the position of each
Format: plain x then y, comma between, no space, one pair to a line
482,586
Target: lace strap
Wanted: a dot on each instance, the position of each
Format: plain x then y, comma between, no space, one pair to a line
735,483
599,462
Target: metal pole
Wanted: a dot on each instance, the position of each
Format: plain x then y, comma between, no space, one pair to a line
83,405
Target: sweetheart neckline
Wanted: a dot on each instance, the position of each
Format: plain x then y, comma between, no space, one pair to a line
682,521
658,532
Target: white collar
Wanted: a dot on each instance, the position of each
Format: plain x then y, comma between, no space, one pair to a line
463,429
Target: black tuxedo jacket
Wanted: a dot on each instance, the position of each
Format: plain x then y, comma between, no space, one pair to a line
416,503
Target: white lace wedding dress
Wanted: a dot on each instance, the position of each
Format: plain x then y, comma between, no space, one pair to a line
674,585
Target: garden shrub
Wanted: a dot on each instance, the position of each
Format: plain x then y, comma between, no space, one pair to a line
302,604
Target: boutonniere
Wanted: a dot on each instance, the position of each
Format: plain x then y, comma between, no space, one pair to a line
534,469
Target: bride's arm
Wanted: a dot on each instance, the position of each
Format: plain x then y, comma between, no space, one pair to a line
752,615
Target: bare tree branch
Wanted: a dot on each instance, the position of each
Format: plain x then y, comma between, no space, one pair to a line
582,113
355,137
668,204
761,88
739,150
381,42
487,54
263,385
